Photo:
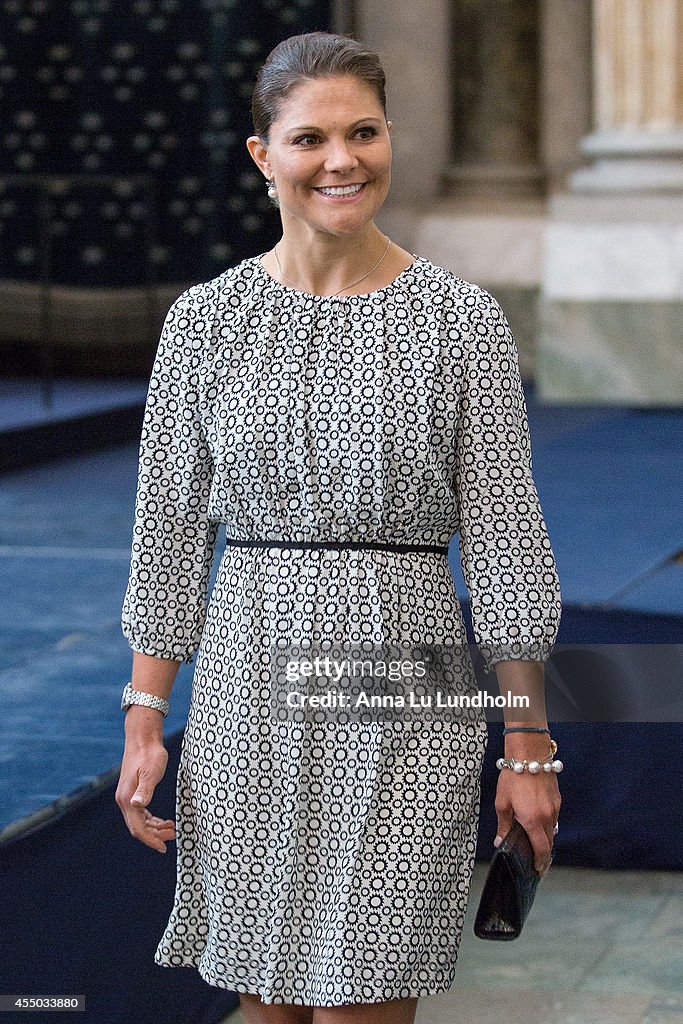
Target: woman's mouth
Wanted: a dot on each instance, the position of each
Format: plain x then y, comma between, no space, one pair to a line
343,193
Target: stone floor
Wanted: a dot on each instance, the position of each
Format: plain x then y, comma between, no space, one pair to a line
600,947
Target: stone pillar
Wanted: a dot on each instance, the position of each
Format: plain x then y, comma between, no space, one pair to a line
566,115
495,69
343,18
637,144
488,225
612,291
413,41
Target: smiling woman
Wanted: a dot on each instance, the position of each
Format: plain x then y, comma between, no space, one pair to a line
323,144
344,407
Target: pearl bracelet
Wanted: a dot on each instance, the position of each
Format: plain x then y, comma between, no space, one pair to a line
534,767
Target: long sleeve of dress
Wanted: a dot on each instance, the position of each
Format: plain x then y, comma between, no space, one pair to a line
173,539
506,556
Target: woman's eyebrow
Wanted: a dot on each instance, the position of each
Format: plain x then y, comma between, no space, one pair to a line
313,128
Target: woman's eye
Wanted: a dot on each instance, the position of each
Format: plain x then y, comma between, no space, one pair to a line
310,140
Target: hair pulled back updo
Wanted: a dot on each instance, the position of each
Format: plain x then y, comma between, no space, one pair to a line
305,57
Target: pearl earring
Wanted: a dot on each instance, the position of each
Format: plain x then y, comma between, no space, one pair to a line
271,188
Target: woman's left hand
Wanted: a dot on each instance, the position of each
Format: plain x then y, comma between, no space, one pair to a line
534,800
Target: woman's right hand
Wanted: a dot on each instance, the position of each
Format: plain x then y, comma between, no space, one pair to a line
144,763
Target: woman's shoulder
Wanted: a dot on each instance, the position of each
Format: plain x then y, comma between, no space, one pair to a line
235,280
438,278
188,326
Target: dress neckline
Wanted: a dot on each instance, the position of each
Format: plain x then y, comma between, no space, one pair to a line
334,298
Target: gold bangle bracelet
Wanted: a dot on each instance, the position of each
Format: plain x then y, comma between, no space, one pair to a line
548,757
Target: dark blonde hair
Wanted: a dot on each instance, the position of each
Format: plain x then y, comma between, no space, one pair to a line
305,57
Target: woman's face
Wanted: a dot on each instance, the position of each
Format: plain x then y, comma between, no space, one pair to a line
330,133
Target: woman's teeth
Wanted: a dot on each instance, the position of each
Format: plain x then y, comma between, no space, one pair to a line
346,190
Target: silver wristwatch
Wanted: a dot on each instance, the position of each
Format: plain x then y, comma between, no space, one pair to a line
149,700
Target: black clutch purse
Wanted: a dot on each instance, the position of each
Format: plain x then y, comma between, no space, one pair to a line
509,888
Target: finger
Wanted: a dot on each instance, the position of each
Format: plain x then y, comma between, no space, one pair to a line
161,826
504,826
142,825
150,838
551,825
142,795
165,829
155,844
157,821
142,821
541,847
146,784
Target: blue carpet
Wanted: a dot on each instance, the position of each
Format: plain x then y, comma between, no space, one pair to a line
64,548
659,591
22,401
609,482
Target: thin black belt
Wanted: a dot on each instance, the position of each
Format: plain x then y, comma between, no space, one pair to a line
339,545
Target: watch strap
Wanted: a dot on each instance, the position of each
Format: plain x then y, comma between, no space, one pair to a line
148,700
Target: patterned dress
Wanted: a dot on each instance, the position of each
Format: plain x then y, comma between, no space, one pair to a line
322,863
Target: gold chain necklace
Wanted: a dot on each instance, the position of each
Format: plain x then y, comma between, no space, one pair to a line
347,286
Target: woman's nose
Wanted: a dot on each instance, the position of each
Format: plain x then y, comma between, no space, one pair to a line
340,158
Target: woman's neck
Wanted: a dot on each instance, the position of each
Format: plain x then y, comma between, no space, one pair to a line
325,265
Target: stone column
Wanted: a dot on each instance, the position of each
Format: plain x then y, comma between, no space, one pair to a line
637,144
495,69
612,291
413,41
343,18
566,115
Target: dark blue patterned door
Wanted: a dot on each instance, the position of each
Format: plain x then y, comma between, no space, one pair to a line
142,106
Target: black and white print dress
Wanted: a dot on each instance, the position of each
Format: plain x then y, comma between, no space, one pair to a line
328,863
